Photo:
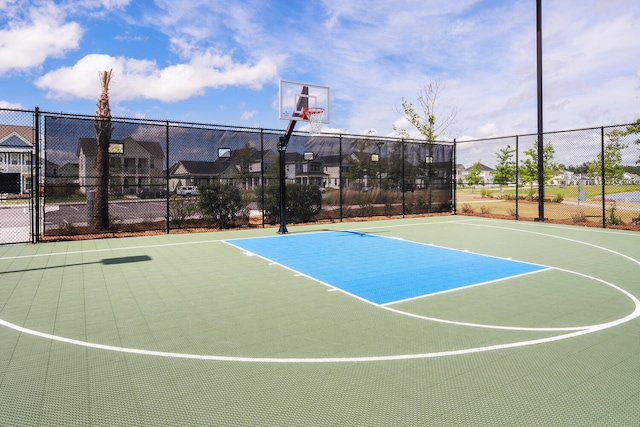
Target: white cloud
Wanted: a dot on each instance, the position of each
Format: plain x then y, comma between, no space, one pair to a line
27,43
10,105
247,115
135,79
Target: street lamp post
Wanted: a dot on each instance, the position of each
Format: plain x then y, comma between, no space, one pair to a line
380,144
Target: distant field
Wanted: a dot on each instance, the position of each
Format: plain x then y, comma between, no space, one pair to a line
566,206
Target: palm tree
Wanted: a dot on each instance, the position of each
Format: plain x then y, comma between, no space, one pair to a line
104,129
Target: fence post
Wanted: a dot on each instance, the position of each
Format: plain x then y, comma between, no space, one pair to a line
402,183
167,195
604,211
517,176
455,179
35,179
262,183
340,175
540,121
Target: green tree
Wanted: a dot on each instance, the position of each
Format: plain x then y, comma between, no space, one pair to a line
634,129
613,169
529,168
220,203
395,166
241,161
427,120
473,176
359,161
505,171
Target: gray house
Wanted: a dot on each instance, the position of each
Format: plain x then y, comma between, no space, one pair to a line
140,164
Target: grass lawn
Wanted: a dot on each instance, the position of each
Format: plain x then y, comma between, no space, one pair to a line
562,203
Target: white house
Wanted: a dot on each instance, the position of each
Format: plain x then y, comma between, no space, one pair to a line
139,165
16,156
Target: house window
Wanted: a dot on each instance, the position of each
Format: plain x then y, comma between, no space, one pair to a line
130,165
152,163
15,159
315,168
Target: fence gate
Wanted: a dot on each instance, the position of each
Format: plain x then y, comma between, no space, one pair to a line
17,157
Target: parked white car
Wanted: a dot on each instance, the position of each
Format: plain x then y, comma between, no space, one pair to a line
187,190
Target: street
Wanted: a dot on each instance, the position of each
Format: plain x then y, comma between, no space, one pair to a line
15,219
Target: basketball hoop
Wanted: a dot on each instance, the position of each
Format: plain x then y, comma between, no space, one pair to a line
314,115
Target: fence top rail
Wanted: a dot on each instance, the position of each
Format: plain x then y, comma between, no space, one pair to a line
159,122
495,138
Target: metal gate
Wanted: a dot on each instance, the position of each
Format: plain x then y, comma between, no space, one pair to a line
18,178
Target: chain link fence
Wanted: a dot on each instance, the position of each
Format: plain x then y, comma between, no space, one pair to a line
167,176
499,177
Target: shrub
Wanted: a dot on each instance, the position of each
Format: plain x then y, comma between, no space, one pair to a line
485,192
418,206
612,216
485,210
558,198
579,217
181,208
466,208
220,203
303,202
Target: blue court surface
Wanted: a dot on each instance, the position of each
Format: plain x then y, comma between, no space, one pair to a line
379,269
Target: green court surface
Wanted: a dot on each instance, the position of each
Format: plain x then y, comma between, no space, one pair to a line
190,330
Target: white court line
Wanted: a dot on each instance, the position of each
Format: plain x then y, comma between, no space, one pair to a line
587,330
558,237
596,328
518,328
128,248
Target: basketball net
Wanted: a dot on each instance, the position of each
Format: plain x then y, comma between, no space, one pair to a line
314,115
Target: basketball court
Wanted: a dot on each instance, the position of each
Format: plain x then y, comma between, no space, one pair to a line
430,321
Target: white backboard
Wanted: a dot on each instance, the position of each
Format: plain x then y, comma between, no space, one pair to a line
294,96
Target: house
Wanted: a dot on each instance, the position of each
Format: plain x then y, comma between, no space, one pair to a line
303,171
139,164
331,167
564,178
242,168
631,178
460,173
485,174
16,158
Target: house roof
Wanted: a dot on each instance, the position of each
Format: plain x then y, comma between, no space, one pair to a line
15,141
90,148
197,167
331,159
482,168
12,135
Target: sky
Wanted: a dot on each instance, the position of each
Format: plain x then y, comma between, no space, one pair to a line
220,62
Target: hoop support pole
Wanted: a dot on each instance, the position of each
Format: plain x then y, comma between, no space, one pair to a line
282,152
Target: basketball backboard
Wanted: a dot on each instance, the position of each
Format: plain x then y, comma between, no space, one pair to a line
295,96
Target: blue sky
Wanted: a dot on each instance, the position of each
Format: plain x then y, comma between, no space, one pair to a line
220,61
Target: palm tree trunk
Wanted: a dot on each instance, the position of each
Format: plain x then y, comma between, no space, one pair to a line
104,129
